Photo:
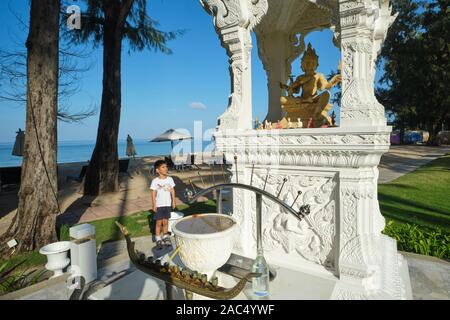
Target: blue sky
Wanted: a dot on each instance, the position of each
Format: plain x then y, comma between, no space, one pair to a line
158,91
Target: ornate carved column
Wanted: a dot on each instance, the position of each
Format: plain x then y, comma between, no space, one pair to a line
234,20
363,27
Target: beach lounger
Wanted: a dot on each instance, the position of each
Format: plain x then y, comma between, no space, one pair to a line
80,177
123,165
10,176
182,161
198,159
213,158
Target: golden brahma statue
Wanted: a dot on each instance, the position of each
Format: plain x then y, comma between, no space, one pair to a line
310,104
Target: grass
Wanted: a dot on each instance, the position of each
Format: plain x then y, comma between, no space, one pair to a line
33,259
421,197
417,209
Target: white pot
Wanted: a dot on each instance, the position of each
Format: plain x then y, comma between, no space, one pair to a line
56,256
203,248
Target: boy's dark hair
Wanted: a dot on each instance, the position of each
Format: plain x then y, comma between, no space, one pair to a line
159,163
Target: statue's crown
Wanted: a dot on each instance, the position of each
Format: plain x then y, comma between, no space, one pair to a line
310,54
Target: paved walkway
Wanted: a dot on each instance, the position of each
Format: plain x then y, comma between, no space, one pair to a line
403,159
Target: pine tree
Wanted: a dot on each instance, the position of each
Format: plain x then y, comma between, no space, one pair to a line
34,224
108,23
415,62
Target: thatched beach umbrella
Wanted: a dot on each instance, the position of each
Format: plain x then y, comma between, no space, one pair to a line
19,144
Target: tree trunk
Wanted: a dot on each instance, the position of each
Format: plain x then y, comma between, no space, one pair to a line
102,175
402,133
433,130
34,224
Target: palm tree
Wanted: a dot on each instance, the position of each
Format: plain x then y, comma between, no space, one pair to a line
109,22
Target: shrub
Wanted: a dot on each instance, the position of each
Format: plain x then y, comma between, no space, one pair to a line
11,279
420,240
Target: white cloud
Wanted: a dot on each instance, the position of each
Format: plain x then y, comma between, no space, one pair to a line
198,105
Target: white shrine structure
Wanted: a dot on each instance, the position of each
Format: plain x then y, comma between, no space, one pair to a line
335,168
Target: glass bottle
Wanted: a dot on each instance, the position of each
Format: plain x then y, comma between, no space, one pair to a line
260,284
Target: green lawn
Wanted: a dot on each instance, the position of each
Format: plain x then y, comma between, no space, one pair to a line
421,197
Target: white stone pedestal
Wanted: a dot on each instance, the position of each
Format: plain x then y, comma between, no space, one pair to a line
336,171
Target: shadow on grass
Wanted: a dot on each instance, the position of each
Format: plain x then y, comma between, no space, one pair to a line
398,185
415,207
408,215
75,211
199,207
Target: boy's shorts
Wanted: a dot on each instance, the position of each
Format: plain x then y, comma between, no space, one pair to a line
162,213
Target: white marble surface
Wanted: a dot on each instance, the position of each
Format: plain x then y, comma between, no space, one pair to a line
288,285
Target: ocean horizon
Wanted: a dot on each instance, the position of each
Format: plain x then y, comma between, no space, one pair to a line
81,150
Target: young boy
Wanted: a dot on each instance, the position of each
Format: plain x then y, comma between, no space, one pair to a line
163,198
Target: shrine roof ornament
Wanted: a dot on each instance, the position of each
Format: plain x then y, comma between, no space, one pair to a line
229,13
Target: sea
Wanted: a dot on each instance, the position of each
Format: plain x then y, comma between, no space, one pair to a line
77,151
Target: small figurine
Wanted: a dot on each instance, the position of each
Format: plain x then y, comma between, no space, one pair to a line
289,123
278,125
299,123
333,119
256,125
310,123
266,125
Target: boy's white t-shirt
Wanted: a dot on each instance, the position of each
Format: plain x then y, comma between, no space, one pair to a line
162,188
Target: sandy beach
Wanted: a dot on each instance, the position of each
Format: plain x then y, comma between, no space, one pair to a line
134,195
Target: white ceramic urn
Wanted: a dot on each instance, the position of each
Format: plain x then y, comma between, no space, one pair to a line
206,241
57,258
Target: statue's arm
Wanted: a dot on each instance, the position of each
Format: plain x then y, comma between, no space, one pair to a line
322,83
297,85
293,87
325,85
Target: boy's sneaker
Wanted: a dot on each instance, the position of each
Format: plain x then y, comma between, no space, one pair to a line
159,245
167,242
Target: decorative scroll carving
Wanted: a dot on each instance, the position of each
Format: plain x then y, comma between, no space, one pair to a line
277,154
349,295
270,141
257,10
226,13
314,237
